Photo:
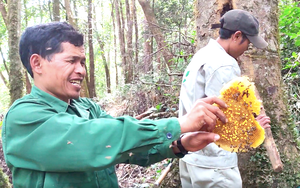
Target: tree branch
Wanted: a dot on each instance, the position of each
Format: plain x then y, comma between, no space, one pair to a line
3,12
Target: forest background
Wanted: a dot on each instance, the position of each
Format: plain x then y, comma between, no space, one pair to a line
137,51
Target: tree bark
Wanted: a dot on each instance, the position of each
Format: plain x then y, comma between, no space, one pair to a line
156,32
121,38
15,68
27,82
104,59
3,11
129,19
56,10
115,41
147,65
92,87
70,17
264,67
136,31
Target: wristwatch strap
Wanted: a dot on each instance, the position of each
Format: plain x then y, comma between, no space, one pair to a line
180,147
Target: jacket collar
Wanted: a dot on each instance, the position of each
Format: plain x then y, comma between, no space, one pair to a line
55,103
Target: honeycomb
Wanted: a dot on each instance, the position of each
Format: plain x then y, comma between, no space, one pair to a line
242,132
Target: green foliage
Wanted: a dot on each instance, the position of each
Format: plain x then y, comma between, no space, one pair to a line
289,27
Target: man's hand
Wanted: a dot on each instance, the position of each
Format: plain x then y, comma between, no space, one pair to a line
203,115
264,121
196,140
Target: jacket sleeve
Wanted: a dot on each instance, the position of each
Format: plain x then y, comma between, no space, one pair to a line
38,138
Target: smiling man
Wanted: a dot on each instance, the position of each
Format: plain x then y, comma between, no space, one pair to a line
53,138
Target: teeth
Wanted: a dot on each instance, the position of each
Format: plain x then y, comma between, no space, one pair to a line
75,82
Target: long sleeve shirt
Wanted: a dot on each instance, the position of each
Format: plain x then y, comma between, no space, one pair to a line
210,68
50,143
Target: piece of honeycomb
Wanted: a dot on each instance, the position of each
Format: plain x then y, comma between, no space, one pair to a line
242,132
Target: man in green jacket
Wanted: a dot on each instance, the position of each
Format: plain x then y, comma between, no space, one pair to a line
53,138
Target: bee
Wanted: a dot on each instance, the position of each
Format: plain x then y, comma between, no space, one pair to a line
245,92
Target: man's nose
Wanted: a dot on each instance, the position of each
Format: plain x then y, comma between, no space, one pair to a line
80,68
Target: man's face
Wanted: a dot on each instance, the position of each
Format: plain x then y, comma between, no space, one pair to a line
238,46
63,75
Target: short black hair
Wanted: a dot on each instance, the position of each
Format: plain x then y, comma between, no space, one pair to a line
45,40
226,34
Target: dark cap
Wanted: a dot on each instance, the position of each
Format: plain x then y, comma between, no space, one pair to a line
240,20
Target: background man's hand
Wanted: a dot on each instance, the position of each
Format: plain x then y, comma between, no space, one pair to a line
264,121
203,115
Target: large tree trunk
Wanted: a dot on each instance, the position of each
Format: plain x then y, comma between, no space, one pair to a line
15,68
263,66
91,86
156,31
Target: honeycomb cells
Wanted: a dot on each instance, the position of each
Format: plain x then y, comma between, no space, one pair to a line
242,132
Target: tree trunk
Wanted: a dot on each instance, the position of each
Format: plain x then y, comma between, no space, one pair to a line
3,11
156,31
136,31
147,65
264,67
115,42
120,24
92,90
129,19
27,82
70,17
104,59
15,68
56,13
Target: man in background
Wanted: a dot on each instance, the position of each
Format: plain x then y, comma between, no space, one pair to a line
211,68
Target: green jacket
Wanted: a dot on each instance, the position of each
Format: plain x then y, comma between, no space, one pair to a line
48,143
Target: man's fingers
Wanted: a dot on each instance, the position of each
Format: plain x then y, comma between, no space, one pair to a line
217,112
216,100
210,120
214,109
198,140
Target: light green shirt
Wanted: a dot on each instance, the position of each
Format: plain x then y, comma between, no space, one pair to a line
48,143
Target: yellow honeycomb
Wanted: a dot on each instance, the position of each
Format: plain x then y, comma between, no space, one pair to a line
242,132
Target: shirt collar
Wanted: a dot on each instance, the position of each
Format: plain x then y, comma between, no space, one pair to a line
215,43
57,104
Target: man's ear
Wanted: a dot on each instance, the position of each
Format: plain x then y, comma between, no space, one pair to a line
237,35
36,63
